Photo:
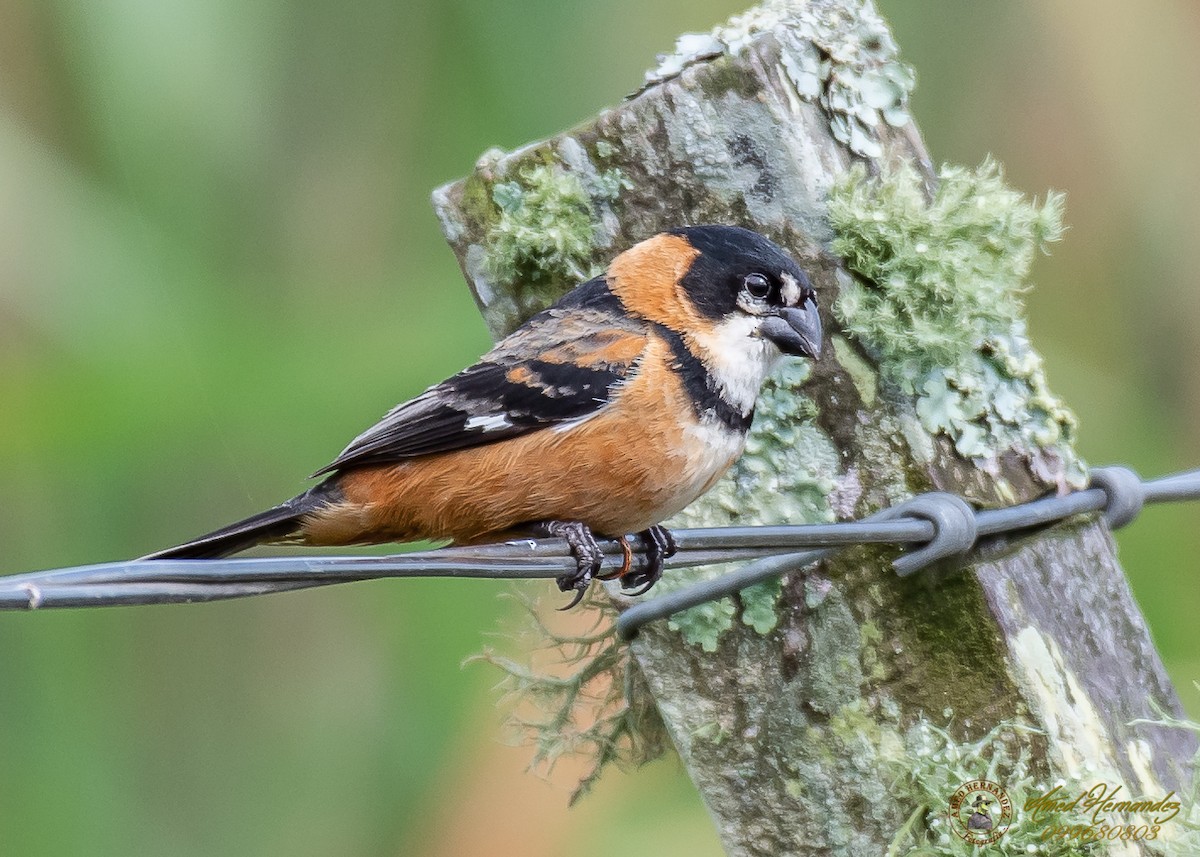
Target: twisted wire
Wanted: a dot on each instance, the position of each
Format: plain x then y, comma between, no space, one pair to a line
933,526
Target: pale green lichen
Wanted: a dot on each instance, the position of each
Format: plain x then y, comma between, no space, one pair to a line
1082,741
841,57
873,666
785,476
850,62
939,304
860,372
547,225
865,768
711,732
910,774
605,149
934,765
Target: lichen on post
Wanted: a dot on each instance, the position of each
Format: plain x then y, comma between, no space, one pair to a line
797,705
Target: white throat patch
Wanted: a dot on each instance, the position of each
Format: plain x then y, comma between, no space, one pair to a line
738,359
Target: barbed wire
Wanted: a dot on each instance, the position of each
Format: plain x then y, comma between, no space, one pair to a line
935,526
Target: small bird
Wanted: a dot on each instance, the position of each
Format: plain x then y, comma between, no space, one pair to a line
606,413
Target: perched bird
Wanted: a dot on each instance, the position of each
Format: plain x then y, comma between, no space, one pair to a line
606,413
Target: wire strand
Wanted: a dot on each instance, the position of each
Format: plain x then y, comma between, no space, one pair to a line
769,551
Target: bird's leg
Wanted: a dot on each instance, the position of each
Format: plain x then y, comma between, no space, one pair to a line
586,551
660,545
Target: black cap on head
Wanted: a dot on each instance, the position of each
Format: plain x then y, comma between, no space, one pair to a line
727,255
738,267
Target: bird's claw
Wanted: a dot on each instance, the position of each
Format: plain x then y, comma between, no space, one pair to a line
660,546
586,551
580,591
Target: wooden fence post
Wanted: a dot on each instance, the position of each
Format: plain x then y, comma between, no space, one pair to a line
792,706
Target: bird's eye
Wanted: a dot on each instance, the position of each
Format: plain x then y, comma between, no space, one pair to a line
757,285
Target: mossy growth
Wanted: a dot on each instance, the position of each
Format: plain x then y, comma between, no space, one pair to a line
579,694
863,773
938,301
934,765
547,226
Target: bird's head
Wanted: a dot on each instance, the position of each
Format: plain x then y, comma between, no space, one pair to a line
738,274
722,284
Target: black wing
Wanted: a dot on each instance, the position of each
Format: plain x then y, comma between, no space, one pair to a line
562,365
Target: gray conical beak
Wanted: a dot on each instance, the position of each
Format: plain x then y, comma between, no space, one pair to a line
795,330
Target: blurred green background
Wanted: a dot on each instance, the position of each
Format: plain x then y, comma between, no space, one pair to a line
218,263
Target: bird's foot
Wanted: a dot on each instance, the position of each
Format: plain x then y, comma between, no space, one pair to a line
586,551
660,545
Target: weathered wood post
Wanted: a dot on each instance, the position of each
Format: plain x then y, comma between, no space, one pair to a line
792,706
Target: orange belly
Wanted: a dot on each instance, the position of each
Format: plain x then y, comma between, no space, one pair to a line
618,472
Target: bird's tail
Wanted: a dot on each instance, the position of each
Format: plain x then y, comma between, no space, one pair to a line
275,524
